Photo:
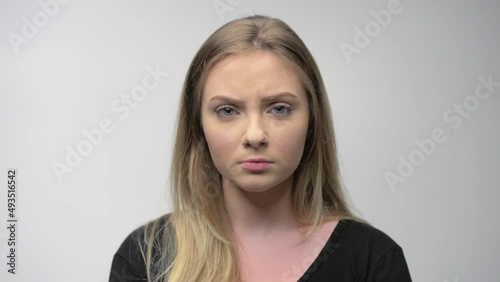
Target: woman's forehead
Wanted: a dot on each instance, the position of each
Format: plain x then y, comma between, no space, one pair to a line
259,73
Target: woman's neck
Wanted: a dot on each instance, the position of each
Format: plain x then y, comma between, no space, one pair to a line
260,213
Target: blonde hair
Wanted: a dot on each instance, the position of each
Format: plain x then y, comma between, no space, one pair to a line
198,245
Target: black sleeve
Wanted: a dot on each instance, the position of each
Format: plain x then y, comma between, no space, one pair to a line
128,264
391,267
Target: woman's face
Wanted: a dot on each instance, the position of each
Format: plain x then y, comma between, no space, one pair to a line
254,107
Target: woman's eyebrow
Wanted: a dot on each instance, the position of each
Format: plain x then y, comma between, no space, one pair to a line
265,99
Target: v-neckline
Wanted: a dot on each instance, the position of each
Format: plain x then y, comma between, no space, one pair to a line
325,252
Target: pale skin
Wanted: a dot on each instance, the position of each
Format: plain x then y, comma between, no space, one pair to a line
259,120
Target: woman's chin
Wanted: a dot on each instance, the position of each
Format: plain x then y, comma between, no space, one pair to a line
258,186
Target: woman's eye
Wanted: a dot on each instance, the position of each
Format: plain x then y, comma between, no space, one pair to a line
282,110
225,111
228,111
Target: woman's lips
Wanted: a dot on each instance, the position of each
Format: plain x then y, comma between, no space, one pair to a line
255,166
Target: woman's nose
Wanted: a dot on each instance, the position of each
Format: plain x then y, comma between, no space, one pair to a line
255,132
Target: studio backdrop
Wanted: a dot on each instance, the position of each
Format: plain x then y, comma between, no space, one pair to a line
89,92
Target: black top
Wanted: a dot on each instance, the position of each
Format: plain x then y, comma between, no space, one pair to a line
354,252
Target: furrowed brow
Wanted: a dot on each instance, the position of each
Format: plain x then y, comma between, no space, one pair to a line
265,99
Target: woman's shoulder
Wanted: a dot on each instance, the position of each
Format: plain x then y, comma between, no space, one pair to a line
367,251
362,240
153,229
358,251
129,260
362,233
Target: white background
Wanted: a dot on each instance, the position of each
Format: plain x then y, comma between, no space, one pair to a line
64,77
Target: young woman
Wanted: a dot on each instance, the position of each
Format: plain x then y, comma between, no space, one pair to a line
255,179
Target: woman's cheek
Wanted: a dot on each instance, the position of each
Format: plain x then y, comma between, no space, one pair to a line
292,143
288,147
220,144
